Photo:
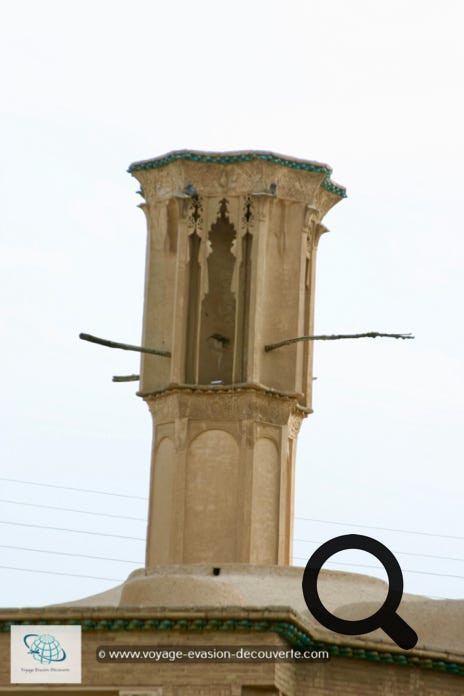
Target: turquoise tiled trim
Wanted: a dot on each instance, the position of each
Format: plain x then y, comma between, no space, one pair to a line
293,635
242,157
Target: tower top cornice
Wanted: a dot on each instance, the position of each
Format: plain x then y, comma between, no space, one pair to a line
239,157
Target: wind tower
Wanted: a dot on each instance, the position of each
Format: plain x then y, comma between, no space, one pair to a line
230,270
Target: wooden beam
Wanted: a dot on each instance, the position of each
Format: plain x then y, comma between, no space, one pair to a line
123,346
334,337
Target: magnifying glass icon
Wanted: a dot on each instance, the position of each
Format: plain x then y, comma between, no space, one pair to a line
386,617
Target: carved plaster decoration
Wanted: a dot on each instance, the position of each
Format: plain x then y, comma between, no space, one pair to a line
309,252
210,214
228,179
309,225
223,213
240,179
320,230
294,424
246,225
215,212
229,211
195,226
194,215
300,188
165,186
247,220
310,231
261,207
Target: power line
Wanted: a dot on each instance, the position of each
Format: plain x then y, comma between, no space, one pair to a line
383,529
417,572
52,572
63,509
405,553
70,488
77,531
64,553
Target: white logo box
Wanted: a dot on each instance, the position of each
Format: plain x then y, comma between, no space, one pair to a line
45,654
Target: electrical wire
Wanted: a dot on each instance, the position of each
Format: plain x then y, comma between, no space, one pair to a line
74,555
383,529
417,572
63,509
52,572
76,531
70,488
405,553
117,536
306,519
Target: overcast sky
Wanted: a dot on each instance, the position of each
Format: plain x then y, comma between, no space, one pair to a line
373,89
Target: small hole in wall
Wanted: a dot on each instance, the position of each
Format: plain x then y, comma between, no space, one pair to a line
216,571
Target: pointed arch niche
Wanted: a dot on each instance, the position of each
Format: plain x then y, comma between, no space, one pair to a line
218,300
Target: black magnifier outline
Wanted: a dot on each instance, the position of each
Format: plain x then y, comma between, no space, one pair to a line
386,617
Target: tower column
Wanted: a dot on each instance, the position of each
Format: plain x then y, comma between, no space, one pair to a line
230,269
222,477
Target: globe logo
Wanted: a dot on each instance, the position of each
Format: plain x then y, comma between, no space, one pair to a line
44,648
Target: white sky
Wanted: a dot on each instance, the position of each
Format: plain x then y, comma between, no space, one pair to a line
375,90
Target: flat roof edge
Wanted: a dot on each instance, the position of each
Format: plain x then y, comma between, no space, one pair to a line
239,156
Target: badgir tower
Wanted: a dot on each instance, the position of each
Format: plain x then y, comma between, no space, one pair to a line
230,278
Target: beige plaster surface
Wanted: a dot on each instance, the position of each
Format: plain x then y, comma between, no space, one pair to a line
438,623
230,269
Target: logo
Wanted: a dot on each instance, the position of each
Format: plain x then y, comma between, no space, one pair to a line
45,654
44,648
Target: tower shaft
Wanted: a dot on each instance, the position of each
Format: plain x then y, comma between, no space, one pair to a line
230,268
